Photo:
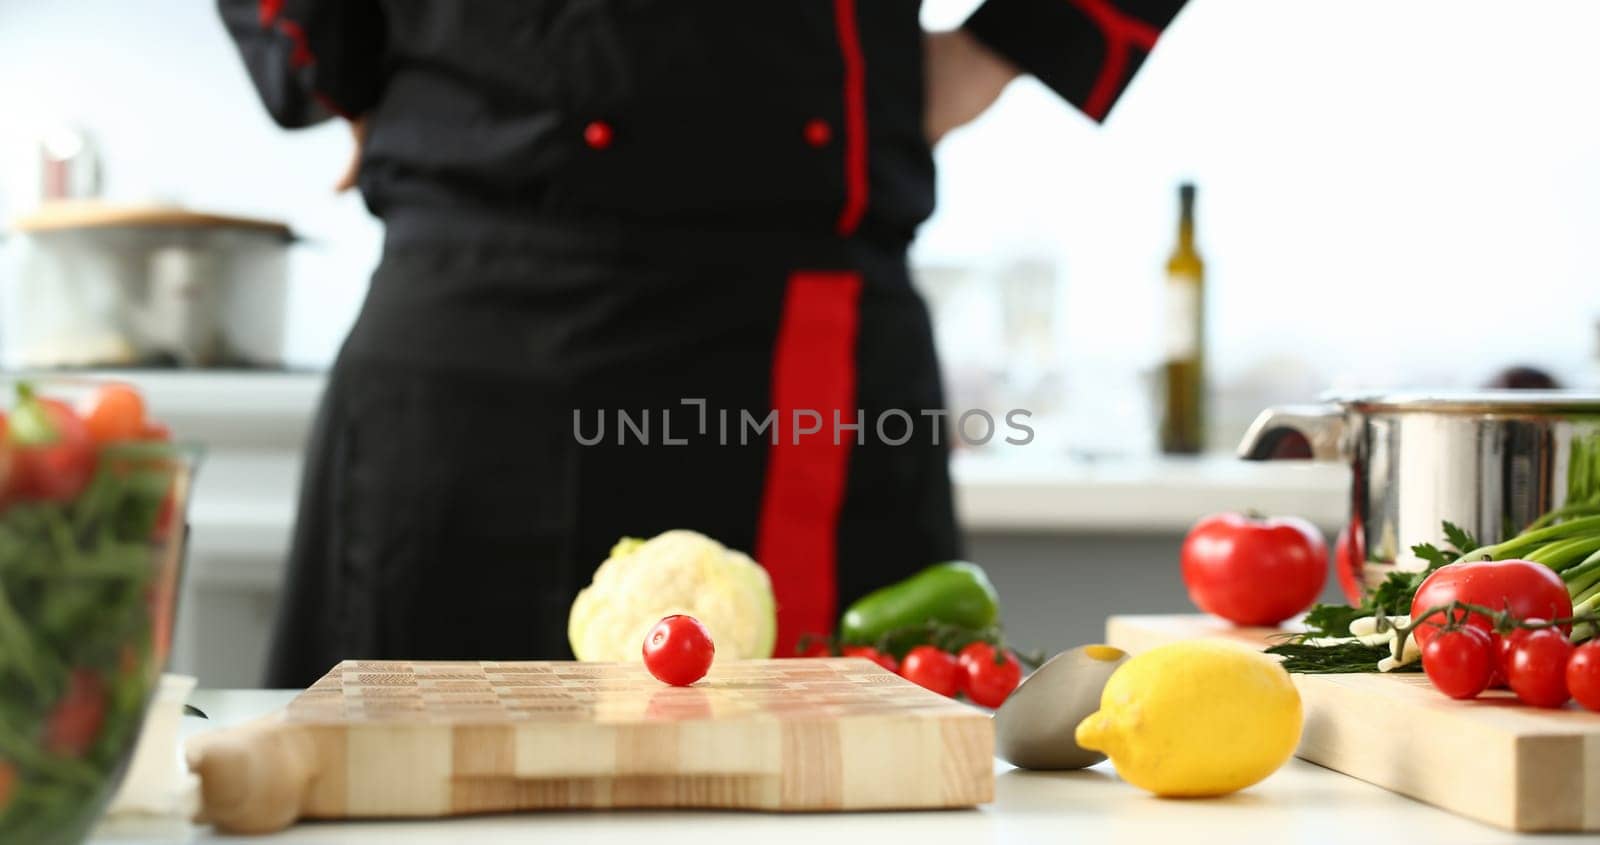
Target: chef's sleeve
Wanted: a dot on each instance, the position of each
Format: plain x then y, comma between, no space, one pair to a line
1086,50
310,59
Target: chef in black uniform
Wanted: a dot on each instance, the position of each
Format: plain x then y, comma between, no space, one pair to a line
688,212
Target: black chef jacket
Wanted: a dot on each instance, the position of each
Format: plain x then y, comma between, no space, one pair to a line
805,114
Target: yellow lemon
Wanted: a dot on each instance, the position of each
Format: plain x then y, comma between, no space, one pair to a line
1195,719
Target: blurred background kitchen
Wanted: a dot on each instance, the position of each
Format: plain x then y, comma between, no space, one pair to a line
1388,195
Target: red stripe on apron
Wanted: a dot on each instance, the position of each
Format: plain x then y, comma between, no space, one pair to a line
855,116
813,369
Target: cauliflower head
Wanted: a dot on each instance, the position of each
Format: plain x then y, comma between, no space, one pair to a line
675,572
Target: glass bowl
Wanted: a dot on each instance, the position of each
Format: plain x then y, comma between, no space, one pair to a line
88,589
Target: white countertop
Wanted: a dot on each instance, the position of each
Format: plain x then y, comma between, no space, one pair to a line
1139,495
1301,803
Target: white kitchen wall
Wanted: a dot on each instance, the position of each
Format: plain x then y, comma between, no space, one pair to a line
1391,192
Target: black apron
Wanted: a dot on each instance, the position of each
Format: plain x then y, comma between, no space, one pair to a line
452,510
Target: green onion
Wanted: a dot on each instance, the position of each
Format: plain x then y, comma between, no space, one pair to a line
1563,554
1527,542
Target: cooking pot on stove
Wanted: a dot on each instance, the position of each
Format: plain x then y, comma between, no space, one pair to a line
92,284
1489,461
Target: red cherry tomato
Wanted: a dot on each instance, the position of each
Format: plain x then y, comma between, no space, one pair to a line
1500,648
74,722
929,667
56,471
1527,589
1583,675
1538,667
1349,561
872,654
1460,662
1254,571
986,681
114,413
678,650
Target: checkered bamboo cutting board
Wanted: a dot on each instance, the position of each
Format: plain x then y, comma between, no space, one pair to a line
398,738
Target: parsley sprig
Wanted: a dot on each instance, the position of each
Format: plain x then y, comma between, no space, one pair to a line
1391,597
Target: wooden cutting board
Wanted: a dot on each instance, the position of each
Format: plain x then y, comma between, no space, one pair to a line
1490,759
389,739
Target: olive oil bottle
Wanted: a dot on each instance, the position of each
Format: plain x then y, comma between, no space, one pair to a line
1183,370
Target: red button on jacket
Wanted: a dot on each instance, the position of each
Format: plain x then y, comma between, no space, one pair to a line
597,134
818,133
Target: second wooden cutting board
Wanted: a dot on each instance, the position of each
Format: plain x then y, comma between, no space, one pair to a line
388,739
1491,759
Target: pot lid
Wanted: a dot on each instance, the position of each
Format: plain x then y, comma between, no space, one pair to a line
77,215
1473,401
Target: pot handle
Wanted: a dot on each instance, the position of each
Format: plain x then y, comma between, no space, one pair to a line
1323,426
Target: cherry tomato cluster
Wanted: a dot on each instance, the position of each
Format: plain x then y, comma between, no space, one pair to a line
1482,625
979,671
49,449
1535,660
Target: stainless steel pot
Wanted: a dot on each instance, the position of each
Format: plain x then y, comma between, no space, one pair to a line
1490,462
99,285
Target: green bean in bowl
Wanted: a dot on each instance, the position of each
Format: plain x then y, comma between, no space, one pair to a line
92,503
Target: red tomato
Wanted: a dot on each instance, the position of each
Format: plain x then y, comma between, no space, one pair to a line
56,471
929,667
986,681
1538,667
74,722
678,650
1583,675
1528,589
1349,560
8,783
885,660
114,413
1254,571
1460,662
